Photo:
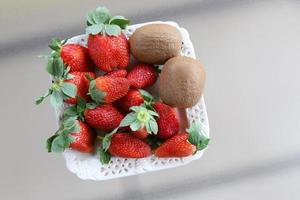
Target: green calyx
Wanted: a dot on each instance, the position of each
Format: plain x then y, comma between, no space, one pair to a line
62,138
197,136
143,116
103,150
95,93
101,21
77,110
139,118
148,99
59,89
56,45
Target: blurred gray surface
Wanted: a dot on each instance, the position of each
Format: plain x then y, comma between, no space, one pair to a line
251,53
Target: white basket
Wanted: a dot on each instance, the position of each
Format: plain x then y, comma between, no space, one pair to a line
88,167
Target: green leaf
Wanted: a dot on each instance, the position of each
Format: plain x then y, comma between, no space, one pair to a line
112,30
81,102
94,29
106,141
81,105
49,142
55,66
136,125
90,18
41,99
104,156
59,144
153,113
75,128
153,126
96,94
121,21
66,134
91,105
55,44
69,89
69,76
136,108
69,122
146,95
148,129
128,119
56,99
70,111
64,41
88,77
197,136
49,66
203,144
66,74
102,15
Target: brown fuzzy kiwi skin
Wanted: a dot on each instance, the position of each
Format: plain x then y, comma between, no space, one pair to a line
155,43
182,82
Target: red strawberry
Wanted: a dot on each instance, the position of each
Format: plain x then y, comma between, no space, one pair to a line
117,73
142,75
107,45
176,146
84,139
128,146
133,98
82,84
74,56
168,123
109,52
65,86
73,134
141,133
108,89
105,117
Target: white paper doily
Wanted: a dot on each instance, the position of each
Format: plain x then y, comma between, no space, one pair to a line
88,167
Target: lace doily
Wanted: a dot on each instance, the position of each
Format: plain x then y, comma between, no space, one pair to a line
87,166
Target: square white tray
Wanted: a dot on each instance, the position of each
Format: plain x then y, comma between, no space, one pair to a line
88,167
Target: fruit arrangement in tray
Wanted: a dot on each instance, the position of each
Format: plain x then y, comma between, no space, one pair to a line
125,95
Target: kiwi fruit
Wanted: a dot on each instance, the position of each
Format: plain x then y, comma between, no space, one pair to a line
155,43
181,82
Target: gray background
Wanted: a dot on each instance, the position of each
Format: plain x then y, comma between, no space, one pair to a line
251,53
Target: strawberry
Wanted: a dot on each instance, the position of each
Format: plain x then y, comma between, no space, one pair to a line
84,139
65,86
105,117
184,144
109,52
142,75
107,45
106,89
82,84
168,123
74,56
117,73
133,98
176,146
73,134
128,146
141,133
